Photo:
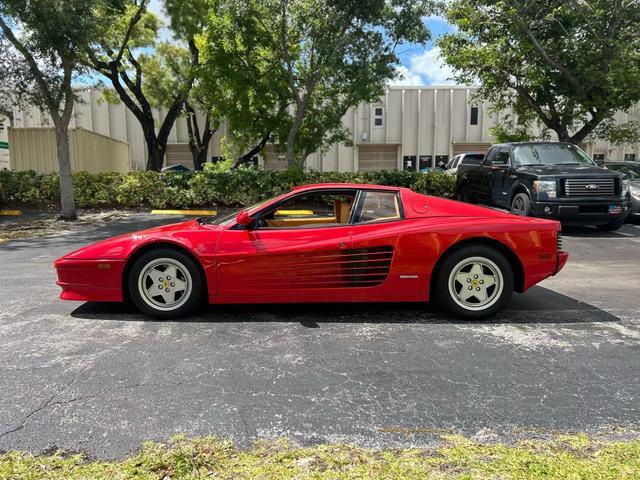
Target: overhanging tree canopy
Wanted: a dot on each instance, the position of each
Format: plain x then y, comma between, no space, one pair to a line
313,58
569,65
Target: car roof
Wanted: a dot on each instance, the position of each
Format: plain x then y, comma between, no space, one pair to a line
338,186
514,144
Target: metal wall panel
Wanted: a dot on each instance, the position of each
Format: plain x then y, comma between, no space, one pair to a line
35,149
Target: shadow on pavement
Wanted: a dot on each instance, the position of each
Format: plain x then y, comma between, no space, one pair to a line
538,305
93,234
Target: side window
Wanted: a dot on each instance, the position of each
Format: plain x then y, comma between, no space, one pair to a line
378,207
316,209
501,158
490,156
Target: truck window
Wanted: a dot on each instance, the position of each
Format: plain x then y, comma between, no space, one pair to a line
550,154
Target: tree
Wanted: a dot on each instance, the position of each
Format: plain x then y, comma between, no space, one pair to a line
241,74
322,57
50,37
188,19
567,65
117,59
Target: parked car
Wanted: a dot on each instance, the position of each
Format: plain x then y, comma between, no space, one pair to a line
463,158
323,243
177,168
547,180
632,171
432,170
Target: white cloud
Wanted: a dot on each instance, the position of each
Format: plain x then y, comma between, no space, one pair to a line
407,78
432,67
427,68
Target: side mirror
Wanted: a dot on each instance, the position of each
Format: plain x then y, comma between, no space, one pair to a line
244,218
599,162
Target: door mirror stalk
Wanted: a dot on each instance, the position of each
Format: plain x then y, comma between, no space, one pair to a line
244,219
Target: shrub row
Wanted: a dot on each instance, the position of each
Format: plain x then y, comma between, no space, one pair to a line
240,187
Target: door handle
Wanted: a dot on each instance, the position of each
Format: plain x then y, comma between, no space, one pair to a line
342,244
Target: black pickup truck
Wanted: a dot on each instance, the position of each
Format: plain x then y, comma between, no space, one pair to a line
547,180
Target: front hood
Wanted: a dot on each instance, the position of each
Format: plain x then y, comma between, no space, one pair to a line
190,234
569,170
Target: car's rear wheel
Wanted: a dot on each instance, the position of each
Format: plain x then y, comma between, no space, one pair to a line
165,283
474,282
521,205
612,225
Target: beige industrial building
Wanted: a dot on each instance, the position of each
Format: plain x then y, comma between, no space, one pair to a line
410,127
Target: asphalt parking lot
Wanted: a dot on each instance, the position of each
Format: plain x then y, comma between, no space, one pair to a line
102,378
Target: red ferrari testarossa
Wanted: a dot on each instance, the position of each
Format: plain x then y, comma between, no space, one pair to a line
323,243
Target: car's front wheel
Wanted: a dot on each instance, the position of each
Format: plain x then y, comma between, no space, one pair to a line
165,283
474,282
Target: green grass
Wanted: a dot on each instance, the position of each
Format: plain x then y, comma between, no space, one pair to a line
565,457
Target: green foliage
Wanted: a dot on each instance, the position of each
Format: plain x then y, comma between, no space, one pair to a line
564,457
214,185
292,69
566,65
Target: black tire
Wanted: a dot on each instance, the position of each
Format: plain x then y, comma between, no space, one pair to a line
187,300
521,205
497,297
612,225
464,195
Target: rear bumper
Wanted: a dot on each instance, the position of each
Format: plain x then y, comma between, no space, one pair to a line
90,280
582,213
561,261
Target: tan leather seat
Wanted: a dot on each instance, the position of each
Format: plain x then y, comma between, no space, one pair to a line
342,211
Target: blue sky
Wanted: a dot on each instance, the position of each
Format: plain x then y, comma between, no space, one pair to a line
421,64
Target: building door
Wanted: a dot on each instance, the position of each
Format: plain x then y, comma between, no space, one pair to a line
179,154
372,158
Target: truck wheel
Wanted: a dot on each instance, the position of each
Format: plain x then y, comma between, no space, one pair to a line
465,196
521,205
612,225
474,282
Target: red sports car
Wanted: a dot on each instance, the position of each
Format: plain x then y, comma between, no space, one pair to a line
323,243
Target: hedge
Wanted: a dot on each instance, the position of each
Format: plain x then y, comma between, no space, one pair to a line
240,187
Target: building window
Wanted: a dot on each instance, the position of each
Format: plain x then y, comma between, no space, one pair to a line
409,162
629,157
474,115
441,161
378,117
424,162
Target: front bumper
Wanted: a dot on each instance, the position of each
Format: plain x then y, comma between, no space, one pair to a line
593,212
90,280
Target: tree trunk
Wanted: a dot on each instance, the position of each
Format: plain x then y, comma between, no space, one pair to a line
66,181
155,151
199,145
246,158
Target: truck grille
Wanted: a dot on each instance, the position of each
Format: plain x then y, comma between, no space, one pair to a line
589,187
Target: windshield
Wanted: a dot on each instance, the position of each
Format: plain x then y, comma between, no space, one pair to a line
231,216
473,159
550,154
631,171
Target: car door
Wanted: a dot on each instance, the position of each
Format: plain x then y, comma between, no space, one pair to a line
481,180
499,172
386,263
295,257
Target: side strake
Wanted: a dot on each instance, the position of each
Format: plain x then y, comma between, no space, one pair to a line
327,269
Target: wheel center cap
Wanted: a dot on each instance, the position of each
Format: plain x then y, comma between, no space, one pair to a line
165,284
475,283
